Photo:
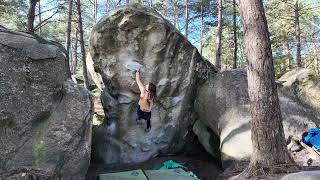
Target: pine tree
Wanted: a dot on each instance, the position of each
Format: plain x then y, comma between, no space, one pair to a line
219,36
82,46
269,147
31,15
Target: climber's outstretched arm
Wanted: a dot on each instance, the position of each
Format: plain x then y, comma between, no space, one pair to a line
141,86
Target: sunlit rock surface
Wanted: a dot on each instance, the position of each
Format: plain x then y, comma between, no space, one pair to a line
303,84
127,38
223,105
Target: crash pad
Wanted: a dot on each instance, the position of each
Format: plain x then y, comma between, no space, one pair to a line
169,174
313,138
126,175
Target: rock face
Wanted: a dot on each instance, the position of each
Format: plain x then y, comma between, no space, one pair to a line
128,38
304,175
226,112
94,78
209,140
44,117
301,85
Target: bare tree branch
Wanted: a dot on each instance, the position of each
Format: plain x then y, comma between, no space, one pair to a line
47,10
40,25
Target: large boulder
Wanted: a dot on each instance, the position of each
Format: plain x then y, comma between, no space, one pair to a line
303,175
223,104
303,84
44,116
135,36
208,139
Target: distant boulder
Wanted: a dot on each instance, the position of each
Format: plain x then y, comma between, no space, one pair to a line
303,84
223,105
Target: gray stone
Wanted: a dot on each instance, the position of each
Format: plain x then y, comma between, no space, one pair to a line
223,105
29,45
29,173
207,138
44,116
133,65
304,175
163,82
93,76
134,36
300,84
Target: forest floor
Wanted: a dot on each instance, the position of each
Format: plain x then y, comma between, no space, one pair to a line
301,158
200,163
203,165
196,159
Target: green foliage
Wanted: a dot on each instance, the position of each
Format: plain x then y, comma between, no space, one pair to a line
314,76
96,92
227,40
280,17
281,21
13,14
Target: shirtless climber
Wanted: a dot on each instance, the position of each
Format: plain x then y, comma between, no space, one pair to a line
147,97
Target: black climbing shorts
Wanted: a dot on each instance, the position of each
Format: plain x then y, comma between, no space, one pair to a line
144,115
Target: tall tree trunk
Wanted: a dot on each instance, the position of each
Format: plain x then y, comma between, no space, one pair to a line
201,33
40,20
289,63
94,6
242,60
69,29
269,147
235,50
108,6
284,64
75,54
318,65
297,32
187,18
83,51
31,15
218,37
175,12
166,12
316,60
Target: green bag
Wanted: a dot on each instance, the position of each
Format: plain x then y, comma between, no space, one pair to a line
172,165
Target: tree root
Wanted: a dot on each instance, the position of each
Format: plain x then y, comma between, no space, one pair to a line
259,171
